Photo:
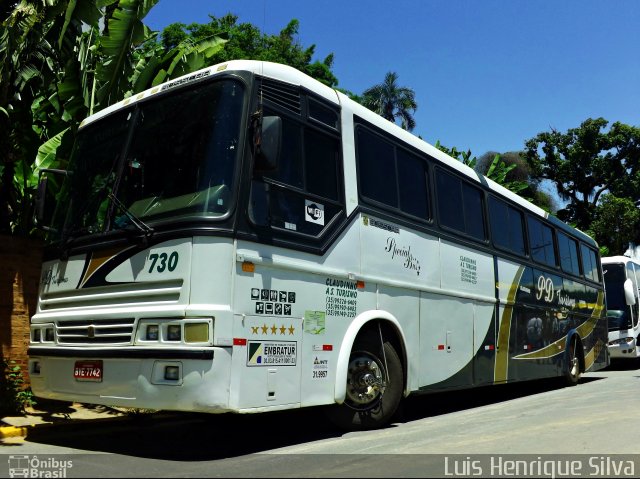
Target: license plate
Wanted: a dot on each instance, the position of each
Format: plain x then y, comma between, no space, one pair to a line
88,371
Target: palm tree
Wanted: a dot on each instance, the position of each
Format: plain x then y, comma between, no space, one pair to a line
392,101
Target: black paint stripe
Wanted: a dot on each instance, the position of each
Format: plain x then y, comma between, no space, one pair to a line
145,353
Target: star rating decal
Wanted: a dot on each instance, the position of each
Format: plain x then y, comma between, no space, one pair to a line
273,330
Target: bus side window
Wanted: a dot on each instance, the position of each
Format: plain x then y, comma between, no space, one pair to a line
568,249
589,263
459,205
541,242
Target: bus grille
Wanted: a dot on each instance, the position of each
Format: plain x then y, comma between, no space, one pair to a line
125,295
112,331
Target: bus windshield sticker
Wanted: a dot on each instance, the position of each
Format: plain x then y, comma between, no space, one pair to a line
314,212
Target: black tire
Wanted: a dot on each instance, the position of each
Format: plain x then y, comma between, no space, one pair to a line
374,390
573,371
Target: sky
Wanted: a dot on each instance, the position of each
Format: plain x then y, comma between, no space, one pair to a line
488,74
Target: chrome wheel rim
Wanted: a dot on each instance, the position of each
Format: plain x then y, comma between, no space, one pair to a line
365,381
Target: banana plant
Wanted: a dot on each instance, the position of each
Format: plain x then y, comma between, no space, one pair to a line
55,51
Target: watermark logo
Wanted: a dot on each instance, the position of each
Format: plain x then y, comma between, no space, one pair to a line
545,466
34,466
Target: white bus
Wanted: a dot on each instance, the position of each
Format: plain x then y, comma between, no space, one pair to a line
621,279
247,239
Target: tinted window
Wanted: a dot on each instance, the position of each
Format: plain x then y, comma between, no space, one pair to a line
506,226
449,201
412,184
303,194
377,168
323,114
473,217
290,162
459,205
589,263
321,172
568,249
541,242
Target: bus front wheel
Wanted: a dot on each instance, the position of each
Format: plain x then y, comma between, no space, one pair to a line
374,385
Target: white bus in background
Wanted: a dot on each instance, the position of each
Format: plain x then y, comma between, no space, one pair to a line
621,279
247,239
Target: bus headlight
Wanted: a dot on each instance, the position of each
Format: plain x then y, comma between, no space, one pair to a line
43,333
172,332
152,332
196,333
621,341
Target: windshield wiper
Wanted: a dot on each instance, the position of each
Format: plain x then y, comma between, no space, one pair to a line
137,222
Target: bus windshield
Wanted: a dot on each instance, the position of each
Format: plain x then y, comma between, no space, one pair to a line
617,311
171,157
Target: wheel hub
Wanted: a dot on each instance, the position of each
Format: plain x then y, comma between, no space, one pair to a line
365,381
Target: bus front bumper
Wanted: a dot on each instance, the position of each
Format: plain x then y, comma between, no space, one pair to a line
165,379
623,348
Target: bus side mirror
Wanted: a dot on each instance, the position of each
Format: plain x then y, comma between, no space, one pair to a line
268,151
40,200
629,294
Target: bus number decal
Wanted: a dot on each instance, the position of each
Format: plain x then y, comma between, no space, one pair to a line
320,368
545,289
163,261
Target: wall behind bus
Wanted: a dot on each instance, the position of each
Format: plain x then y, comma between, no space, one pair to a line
20,264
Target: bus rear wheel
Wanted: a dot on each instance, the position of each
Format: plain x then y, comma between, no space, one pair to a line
374,385
573,371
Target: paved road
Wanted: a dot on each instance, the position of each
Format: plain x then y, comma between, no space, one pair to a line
598,418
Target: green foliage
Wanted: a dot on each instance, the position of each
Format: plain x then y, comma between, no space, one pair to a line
14,395
462,156
586,162
616,223
497,169
392,101
246,41
56,68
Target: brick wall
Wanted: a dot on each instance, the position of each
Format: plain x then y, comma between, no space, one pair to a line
20,263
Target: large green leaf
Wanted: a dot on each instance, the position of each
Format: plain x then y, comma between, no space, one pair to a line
46,157
125,31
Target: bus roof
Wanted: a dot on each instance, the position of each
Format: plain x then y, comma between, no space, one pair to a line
618,259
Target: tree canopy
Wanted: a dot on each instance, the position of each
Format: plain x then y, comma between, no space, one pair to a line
586,162
246,41
616,223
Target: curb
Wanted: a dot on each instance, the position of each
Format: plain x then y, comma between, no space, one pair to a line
12,431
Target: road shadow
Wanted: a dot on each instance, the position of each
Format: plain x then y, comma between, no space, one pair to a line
618,364
436,404
206,437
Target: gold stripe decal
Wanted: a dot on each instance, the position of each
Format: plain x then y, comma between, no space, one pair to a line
97,260
502,353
